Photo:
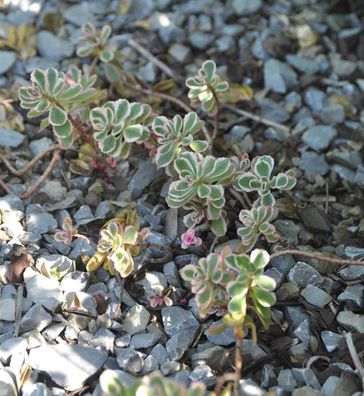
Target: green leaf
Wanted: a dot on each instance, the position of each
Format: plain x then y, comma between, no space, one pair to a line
237,305
130,235
57,116
263,297
70,92
218,227
52,76
106,56
39,78
263,166
265,282
260,258
209,67
133,133
205,299
237,289
189,121
64,130
67,141
199,146
108,144
188,272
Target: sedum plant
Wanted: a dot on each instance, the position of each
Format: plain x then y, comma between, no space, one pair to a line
175,135
58,94
256,222
237,278
119,123
151,385
119,241
200,188
205,87
94,42
259,179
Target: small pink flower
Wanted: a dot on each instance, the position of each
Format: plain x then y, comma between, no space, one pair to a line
160,300
189,238
67,233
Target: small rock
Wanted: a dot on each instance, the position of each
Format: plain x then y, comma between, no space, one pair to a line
55,191
7,383
8,59
55,266
10,203
170,367
306,391
333,114
288,230
10,138
351,321
36,318
136,319
328,388
331,340
224,338
39,145
203,373
342,67
306,376
50,46
354,253
246,7
201,40
176,319
303,274
344,172
286,380
78,14
352,272
69,366
303,64
315,296
159,353
273,111
7,309
179,52
129,360
319,137
146,173
313,163
146,340
80,302
279,76
354,293
249,387
36,390
75,281
11,347
41,223
316,99
179,343
303,332
153,283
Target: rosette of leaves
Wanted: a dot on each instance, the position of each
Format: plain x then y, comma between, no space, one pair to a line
250,290
256,222
151,385
118,124
175,135
205,87
95,42
259,179
201,181
119,241
207,279
57,94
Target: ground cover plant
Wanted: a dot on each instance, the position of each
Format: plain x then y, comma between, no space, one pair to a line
98,105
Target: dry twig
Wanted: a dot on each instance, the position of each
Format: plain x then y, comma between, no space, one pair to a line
32,189
161,65
257,118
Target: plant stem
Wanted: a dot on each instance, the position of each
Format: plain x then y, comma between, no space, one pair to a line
216,116
239,333
355,358
316,256
30,164
221,381
31,190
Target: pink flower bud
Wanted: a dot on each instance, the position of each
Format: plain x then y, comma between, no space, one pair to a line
189,238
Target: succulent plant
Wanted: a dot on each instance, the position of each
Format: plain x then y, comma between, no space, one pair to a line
95,42
259,179
119,241
118,124
256,221
67,233
151,385
208,280
249,289
57,94
205,87
175,135
201,185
